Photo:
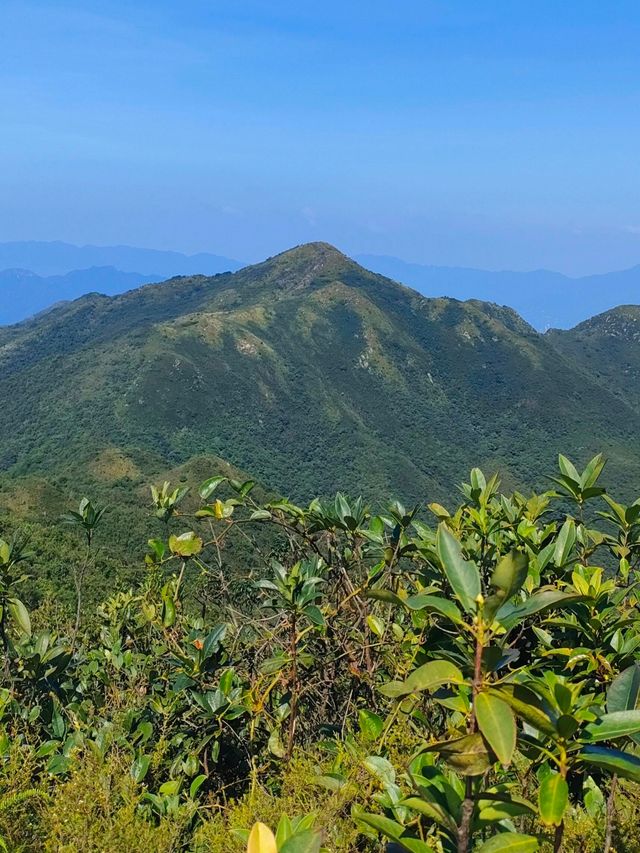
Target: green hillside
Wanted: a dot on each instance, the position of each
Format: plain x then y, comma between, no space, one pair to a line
608,348
306,370
347,671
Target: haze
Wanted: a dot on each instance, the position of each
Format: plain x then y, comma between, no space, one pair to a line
495,135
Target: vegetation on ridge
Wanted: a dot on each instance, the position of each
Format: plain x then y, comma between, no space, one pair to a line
466,680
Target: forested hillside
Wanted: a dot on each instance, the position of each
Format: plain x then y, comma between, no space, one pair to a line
423,679
308,372
190,659
607,347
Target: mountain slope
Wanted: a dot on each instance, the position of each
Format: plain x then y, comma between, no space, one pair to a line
306,370
544,298
607,347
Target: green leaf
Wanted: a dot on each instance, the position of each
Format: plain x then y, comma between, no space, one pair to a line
276,747
284,830
308,841
553,798
381,768
375,625
624,691
430,676
510,574
565,542
509,842
494,808
58,765
435,604
433,811
209,486
371,724
497,724
467,755
384,825
592,472
197,783
20,615
140,767
385,595
539,602
185,545
463,576
47,748
527,706
260,515
568,468
415,845
330,781
614,760
615,725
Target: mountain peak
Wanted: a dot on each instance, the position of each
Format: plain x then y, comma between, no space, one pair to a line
313,253
301,266
620,322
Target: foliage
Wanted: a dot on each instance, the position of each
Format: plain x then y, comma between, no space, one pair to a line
431,678
306,371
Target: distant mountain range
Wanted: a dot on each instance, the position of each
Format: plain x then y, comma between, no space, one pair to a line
36,275
24,293
57,258
312,374
545,299
39,275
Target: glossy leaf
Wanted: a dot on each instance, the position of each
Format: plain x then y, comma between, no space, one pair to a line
185,545
527,706
509,842
435,604
371,724
467,755
624,690
553,798
615,725
430,676
613,760
140,767
538,603
433,811
497,723
20,615
510,574
261,840
462,575
307,841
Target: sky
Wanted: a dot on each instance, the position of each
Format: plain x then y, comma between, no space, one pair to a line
501,135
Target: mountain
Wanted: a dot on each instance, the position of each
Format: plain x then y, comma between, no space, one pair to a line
24,293
56,271
607,347
545,299
57,258
306,370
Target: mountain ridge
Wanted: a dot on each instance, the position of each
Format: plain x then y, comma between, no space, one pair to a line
547,299
307,371
56,257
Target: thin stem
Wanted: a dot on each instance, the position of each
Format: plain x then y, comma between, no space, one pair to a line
293,647
610,814
466,811
557,838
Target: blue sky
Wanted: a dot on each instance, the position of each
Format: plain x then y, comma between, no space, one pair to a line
491,134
